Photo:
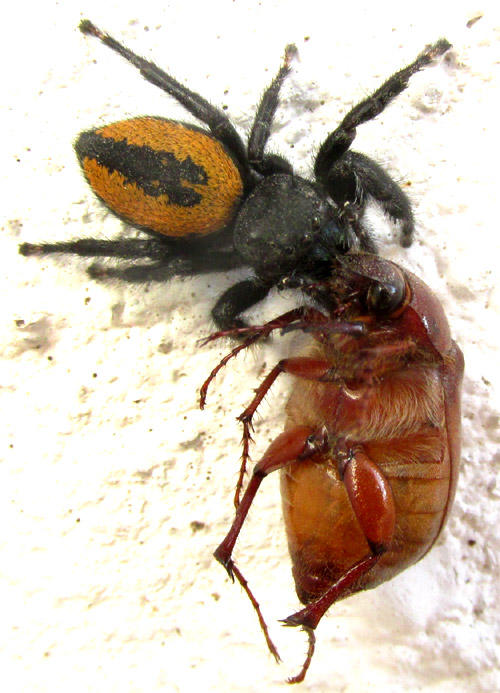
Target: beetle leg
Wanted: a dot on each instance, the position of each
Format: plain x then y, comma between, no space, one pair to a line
308,368
373,503
243,582
282,321
372,500
297,443
307,319
251,334
288,446
307,662
303,367
309,617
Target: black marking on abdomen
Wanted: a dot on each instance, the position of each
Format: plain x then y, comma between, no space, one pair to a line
157,172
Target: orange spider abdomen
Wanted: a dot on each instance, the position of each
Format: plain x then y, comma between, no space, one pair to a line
162,175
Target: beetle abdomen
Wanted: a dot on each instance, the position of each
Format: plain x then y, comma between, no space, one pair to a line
324,536
404,434
162,175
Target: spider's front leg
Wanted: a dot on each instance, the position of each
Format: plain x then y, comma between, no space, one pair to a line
352,178
268,164
201,108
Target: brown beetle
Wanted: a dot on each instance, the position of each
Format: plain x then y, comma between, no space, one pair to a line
370,453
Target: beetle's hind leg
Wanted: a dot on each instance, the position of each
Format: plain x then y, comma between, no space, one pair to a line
373,504
298,678
297,443
372,501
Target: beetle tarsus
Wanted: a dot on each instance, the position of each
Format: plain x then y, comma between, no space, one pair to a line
244,583
310,652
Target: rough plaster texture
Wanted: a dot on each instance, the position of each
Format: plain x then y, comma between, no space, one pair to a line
114,488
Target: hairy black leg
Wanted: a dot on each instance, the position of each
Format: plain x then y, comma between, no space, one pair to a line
236,300
154,272
175,258
377,183
216,119
169,266
93,247
339,141
197,260
353,216
351,177
354,179
261,128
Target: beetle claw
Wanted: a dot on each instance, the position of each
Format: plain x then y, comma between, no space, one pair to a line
226,562
290,621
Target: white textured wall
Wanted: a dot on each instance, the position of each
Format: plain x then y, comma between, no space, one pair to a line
106,463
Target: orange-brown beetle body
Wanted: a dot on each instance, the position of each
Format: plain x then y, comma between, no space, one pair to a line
371,449
405,419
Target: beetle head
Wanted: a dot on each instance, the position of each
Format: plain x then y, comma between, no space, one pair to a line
386,297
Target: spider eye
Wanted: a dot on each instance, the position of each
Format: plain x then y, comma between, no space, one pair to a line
386,298
316,222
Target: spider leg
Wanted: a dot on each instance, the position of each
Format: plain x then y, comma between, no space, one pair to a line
351,177
128,248
218,122
170,264
266,164
168,261
236,300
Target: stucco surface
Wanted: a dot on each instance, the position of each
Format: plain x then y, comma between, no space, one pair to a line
115,488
